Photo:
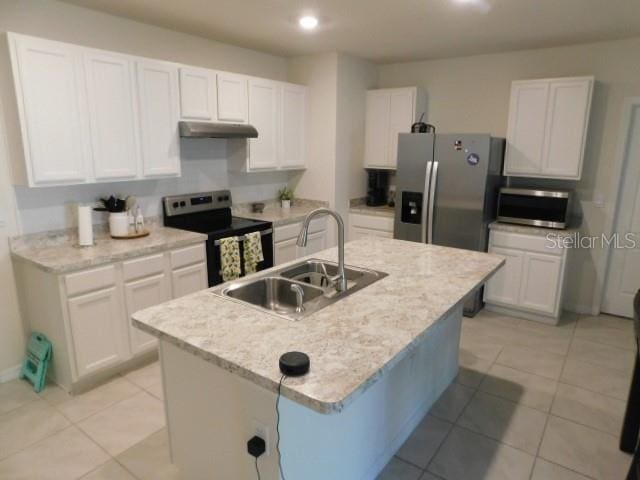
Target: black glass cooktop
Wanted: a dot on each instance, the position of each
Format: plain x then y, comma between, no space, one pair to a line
216,223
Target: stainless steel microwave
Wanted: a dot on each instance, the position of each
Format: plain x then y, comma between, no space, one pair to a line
540,208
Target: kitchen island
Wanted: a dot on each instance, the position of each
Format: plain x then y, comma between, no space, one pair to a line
380,358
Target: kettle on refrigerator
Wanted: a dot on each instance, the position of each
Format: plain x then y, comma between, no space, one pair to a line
421,127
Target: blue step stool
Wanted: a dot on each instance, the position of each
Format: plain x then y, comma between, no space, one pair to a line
35,366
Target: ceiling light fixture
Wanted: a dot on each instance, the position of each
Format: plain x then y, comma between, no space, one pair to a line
308,22
481,5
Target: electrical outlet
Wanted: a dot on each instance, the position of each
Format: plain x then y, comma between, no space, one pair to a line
262,431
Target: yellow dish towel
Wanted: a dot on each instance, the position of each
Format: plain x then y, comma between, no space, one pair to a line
229,258
252,252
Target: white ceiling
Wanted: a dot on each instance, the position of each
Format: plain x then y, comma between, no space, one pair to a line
389,30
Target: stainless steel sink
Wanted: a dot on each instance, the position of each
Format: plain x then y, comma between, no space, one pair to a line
318,273
273,292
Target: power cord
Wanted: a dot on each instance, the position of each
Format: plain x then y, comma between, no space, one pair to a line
257,469
256,446
278,427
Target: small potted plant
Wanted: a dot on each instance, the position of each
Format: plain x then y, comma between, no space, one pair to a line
285,195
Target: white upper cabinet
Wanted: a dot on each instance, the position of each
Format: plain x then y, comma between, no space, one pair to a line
232,98
547,128
292,126
377,130
401,117
278,112
526,130
114,126
88,115
263,115
567,122
198,95
388,113
51,103
158,98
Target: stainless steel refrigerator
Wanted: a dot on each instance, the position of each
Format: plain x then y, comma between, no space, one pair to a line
446,191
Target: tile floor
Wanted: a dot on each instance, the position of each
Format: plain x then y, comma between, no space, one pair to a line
531,402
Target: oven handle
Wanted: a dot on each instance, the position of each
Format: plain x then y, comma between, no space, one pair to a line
242,238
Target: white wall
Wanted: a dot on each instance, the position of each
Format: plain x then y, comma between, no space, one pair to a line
471,94
355,77
204,167
319,74
337,84
204,163
12,337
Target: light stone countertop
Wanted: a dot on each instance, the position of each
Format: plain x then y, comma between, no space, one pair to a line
275,214
58,251
530,230
351,343
382,211
359,205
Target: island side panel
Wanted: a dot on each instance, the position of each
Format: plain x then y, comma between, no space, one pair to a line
212,413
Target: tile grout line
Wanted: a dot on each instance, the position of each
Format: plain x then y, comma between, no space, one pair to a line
49,435
559,380
567,468
588,363
437,451
553,399
111,457
551,414
73,423
454,424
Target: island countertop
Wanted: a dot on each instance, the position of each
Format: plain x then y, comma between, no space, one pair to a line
351,343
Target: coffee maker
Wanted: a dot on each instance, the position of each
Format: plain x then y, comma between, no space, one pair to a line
377,186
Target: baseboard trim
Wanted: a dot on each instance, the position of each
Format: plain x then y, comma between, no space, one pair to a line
582,309
514,312
10,373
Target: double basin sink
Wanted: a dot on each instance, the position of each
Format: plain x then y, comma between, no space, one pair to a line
297,290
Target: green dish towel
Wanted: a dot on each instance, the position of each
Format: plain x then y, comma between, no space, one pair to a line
252,252
230,258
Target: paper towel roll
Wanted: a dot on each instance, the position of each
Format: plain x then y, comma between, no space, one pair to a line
85,226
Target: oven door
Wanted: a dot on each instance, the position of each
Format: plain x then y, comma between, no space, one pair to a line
213,256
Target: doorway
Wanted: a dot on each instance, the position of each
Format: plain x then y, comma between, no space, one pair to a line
623,272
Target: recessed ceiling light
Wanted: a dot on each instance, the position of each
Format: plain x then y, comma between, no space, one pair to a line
308,22
481,5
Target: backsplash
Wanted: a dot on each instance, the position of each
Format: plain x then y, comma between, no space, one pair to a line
204,167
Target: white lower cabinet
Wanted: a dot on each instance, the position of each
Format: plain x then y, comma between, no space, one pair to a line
541,276
87,314
362,226
285,246
504,286
532,278
141,294
98,338
285,251
189,279
316,242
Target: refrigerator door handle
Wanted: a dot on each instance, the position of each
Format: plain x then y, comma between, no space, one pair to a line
432,200
425,202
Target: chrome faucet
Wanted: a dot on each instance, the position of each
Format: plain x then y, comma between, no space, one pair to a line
340,280
297,289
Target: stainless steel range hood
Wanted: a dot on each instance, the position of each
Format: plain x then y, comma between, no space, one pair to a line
216,130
